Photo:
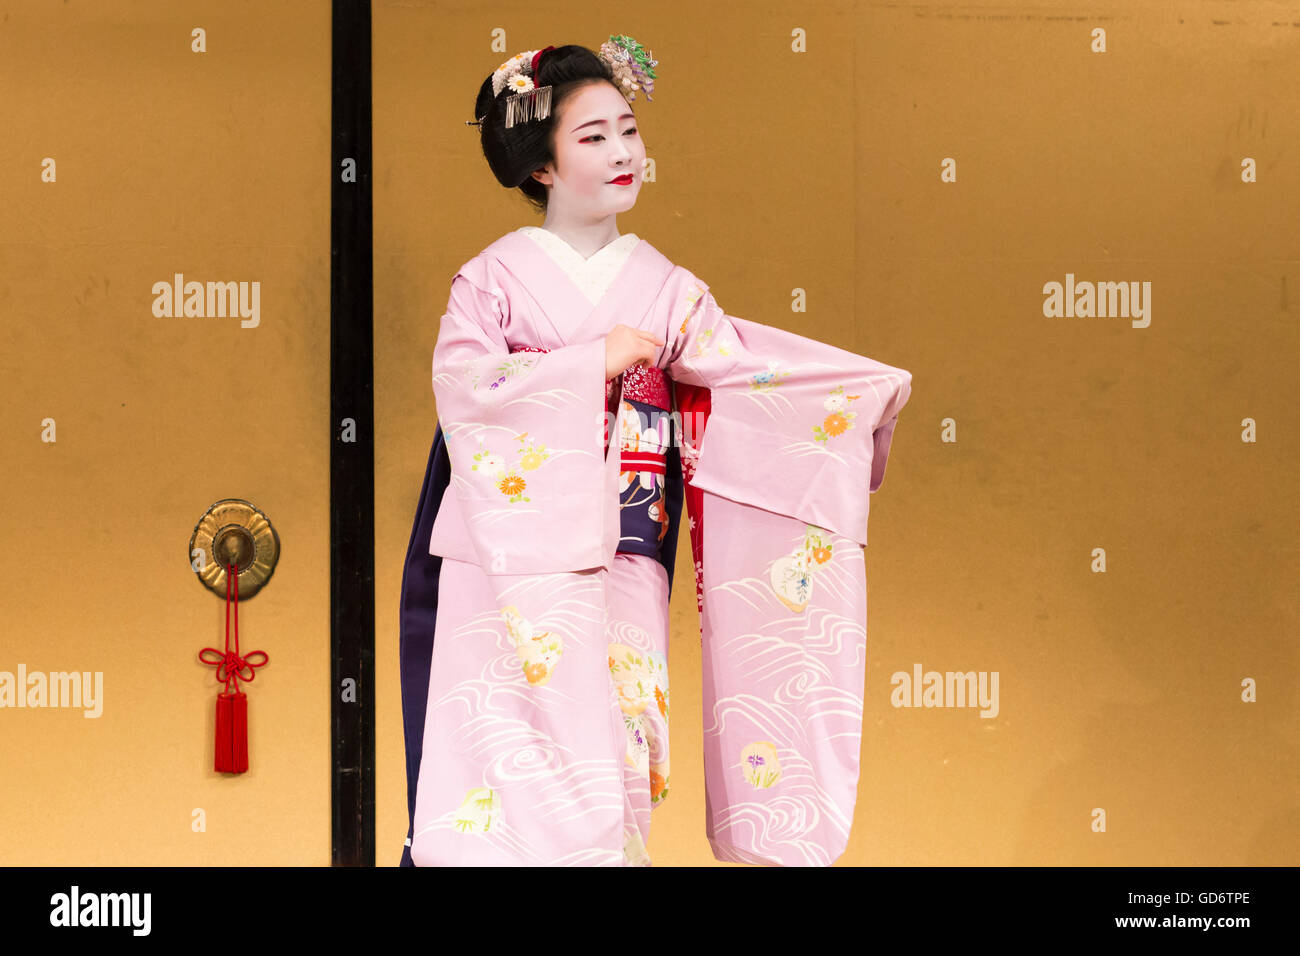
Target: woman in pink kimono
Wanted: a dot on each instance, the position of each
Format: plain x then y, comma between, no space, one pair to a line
585,386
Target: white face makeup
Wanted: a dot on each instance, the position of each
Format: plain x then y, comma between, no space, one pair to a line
596,140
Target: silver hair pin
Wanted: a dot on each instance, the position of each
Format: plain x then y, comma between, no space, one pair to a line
534,104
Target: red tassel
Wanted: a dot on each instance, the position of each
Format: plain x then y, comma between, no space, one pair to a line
232,705
232,732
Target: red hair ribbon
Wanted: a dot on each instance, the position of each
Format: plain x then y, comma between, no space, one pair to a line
537,57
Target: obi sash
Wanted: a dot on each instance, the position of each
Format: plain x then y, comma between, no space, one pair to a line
645,433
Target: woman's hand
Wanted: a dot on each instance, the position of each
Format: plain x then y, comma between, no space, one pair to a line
626,346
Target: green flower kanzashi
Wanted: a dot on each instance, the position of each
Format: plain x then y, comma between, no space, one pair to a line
632,65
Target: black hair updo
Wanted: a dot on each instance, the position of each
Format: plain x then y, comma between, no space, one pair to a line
514,153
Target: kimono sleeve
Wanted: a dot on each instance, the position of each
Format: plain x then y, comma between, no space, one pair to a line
797,435
525,438
811,423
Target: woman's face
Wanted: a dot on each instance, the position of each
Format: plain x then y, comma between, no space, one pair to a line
596,140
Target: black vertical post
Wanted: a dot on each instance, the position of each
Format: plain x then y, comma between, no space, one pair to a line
352,447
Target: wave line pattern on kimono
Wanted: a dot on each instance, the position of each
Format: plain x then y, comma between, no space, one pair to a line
522,764
797,435
779,546
601,765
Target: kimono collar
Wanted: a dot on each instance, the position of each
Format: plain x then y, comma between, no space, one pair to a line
631,293
593,274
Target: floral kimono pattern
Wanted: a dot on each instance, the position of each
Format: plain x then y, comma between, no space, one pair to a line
539,595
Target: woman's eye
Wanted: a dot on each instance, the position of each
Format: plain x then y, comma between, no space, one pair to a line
601,135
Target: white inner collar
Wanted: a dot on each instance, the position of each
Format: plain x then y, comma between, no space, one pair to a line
592,275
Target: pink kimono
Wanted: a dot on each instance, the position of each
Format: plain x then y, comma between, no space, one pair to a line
542,735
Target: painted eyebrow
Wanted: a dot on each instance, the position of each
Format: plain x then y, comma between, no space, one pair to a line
600,122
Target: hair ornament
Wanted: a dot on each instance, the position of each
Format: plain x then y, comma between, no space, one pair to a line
632,66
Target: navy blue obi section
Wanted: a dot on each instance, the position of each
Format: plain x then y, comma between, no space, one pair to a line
645,435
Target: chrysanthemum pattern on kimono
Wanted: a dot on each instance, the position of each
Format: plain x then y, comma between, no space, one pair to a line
775,485
508,475
545,739
641,679
840,419
508,776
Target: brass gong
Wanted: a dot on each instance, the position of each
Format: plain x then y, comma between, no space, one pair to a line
233,531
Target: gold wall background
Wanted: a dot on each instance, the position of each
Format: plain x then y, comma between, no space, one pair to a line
822,170
213,165
1119,690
